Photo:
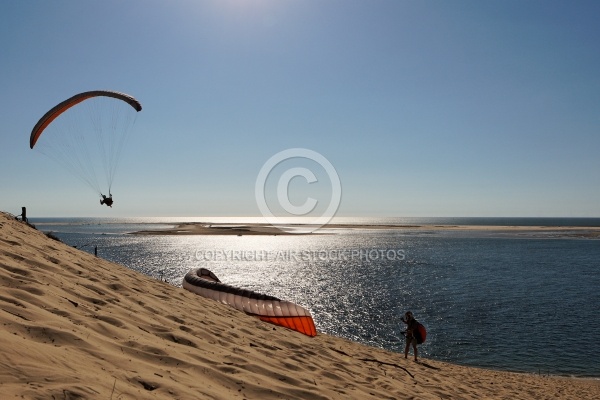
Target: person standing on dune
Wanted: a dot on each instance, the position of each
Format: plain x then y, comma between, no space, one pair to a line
411,333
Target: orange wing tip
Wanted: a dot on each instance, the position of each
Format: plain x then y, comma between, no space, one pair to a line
303,325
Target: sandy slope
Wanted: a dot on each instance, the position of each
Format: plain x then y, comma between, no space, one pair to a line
75,326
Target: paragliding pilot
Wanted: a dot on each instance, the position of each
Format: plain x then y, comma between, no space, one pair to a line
410,333
107,200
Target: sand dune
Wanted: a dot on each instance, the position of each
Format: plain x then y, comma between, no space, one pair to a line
78,327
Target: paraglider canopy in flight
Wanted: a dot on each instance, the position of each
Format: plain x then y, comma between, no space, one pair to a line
86,134
78,98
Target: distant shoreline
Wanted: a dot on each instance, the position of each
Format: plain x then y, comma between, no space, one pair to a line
202,228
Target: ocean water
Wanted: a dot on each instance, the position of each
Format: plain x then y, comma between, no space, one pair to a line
519,301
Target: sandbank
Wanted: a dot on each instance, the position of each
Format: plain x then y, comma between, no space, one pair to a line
205,228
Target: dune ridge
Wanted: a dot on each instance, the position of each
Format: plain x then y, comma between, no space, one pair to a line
79,327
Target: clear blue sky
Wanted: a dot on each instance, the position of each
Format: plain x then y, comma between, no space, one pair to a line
425,108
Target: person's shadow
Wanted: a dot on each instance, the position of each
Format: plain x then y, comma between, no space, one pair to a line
428,365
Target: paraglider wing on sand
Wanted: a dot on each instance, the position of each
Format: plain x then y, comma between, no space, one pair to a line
268,308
